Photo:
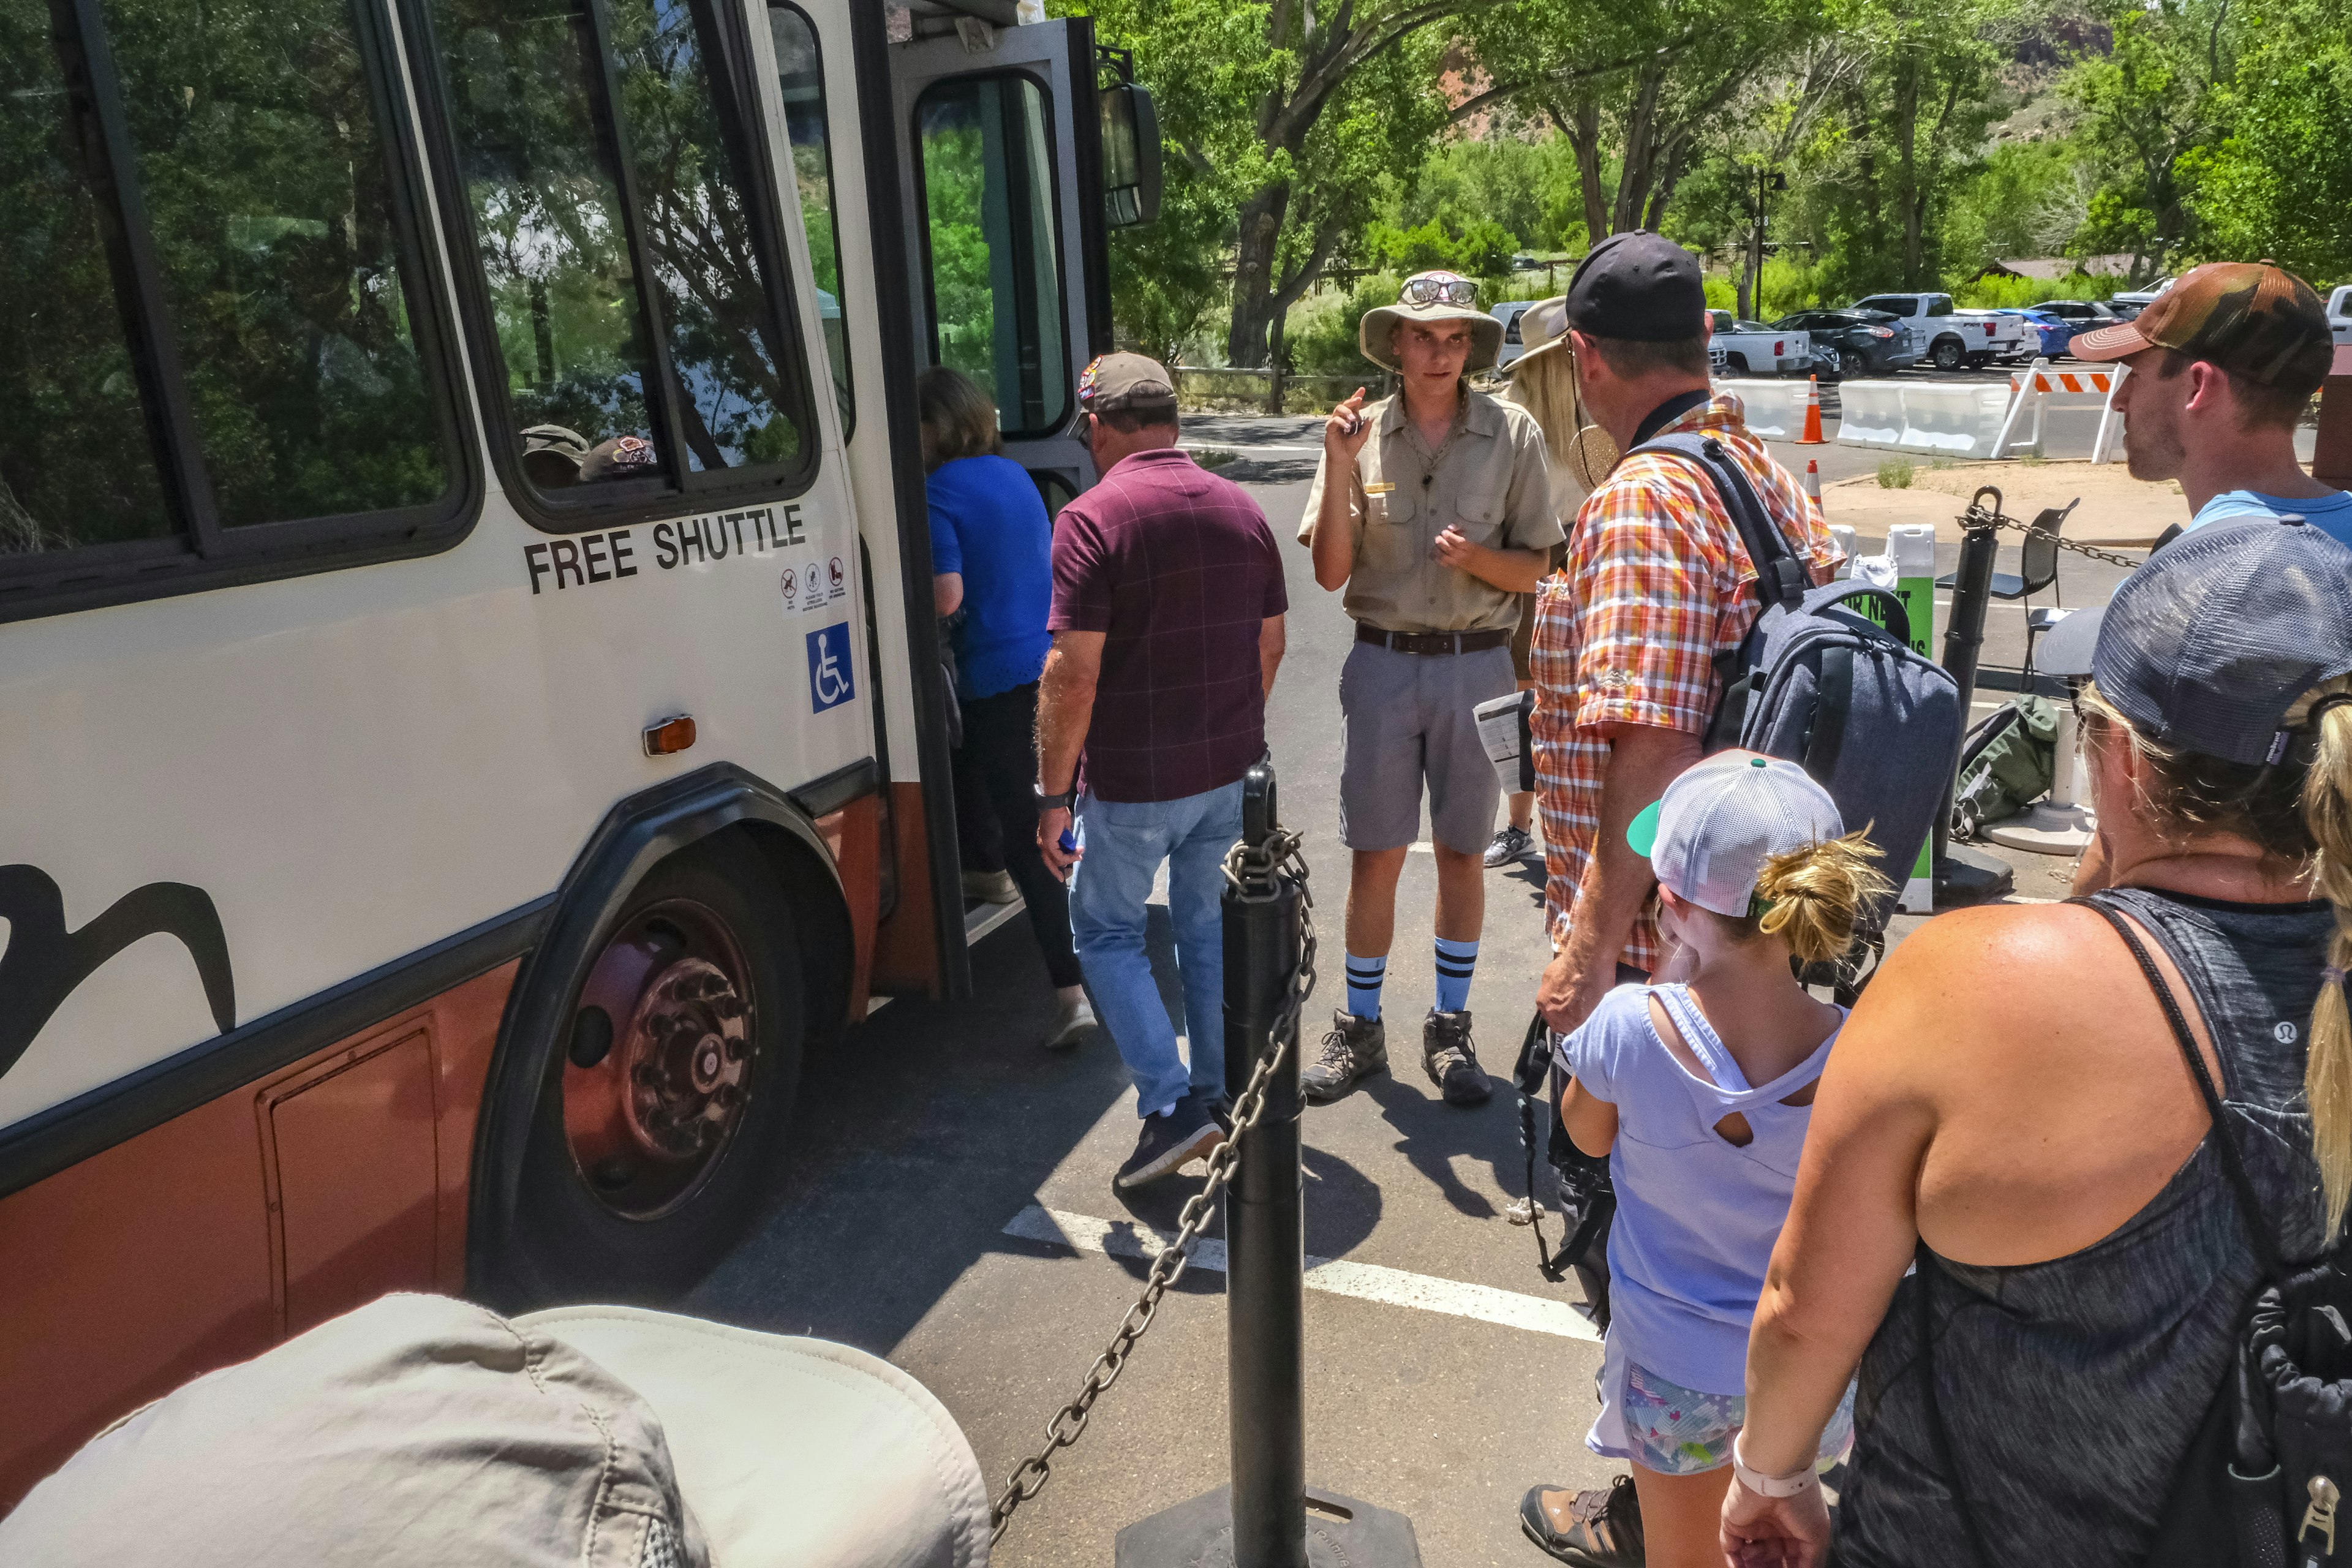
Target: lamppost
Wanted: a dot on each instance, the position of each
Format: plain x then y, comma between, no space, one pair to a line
1767,180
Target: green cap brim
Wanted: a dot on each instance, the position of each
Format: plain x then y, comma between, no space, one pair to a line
1642,833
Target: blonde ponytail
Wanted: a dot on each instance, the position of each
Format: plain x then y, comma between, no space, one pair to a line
1817,895
2327,1065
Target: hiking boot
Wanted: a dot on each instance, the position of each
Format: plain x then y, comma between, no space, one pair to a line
1591,1530
991,887
1073,1016
1168,1142
1508,846
1452,1063
1356,1047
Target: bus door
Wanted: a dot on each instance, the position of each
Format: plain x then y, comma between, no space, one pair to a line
1004,226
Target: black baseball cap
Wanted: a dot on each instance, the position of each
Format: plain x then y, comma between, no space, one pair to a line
2209,642
1638,286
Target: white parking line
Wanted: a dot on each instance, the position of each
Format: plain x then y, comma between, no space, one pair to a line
1248,448
1335,1277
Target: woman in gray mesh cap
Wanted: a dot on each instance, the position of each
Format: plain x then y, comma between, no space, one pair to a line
2011,1109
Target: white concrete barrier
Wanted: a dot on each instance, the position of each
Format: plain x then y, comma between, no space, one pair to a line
2039,388
1952,420
1870,414
1775,409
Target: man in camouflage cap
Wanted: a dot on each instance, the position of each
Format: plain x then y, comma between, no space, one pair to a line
2222,364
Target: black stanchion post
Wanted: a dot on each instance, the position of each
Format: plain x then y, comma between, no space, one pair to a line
1265,1216
1963,876
1267,1517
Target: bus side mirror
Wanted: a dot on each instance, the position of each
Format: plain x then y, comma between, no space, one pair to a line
1131,156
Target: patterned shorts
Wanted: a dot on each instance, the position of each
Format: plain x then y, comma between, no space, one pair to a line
1678,1431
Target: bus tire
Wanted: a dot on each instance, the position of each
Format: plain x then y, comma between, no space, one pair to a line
661,1119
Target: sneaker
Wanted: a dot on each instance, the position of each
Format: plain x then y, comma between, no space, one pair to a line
991,887
1073,1016
1168,1142
1450,1060
1509,845
1591,1530
1356,1047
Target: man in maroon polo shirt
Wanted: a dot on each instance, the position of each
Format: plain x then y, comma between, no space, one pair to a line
1167,623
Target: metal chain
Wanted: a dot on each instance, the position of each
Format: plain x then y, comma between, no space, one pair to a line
1280,853
1977,517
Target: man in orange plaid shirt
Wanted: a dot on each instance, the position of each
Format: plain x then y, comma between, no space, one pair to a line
1655,586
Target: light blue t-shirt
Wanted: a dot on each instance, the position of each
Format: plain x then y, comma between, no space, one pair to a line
2331,514
1696,1217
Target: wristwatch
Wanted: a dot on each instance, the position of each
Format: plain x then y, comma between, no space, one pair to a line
1771,1486
1067,800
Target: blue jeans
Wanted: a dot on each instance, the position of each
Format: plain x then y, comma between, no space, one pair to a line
1125,841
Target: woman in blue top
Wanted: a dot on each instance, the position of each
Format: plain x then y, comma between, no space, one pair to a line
991,548
1699,1093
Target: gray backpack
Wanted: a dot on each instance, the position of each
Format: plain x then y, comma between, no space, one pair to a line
1877,725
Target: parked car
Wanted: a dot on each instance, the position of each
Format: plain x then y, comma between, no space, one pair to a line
1508,312
2131,302
2339,314
2054,331
1752,348
1947,337
1851,342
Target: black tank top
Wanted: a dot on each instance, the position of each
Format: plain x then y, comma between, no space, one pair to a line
2071,1388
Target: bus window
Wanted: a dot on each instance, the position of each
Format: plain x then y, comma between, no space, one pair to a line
799,72
540,177
214,268
77,468
724,341
264,176
623,256
994,269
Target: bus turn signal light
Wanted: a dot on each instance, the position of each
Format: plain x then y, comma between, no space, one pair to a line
669,736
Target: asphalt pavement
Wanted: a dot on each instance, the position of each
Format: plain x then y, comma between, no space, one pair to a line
948,1202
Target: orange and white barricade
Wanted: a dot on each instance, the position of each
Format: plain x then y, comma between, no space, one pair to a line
2037,385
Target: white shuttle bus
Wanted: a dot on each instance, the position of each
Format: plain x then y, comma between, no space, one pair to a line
470,704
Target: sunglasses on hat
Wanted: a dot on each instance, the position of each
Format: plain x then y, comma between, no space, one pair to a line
1436,289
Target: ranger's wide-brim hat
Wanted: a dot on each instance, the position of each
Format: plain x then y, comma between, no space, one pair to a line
1379,324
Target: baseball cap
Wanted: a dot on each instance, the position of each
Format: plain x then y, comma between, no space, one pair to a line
622,457
1709,835
1638,286
2209,642
2250,318
1121,381
421,1432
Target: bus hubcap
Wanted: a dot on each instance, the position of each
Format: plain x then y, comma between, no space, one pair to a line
658,1070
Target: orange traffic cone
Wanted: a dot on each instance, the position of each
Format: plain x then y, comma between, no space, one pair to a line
1812,435
1813,482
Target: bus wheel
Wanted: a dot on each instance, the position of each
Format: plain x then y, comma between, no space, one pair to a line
663,1114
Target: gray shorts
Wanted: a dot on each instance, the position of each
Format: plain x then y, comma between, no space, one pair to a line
1404,718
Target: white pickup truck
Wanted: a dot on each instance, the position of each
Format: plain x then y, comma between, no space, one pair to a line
1949,338
1752,348
2339,314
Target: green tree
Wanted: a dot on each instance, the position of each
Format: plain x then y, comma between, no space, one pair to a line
2147,107
2281,184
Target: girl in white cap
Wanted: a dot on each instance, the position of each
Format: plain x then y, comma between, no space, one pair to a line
1699,1092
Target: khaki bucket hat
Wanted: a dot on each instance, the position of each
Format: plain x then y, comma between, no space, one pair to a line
1427,299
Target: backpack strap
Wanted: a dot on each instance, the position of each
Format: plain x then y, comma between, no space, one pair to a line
2249,1207
1781,577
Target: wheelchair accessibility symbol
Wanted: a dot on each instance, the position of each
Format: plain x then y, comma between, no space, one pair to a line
828,657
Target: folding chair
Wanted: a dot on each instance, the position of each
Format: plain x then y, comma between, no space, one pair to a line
2037,569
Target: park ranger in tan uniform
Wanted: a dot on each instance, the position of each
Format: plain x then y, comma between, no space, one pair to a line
1432,509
